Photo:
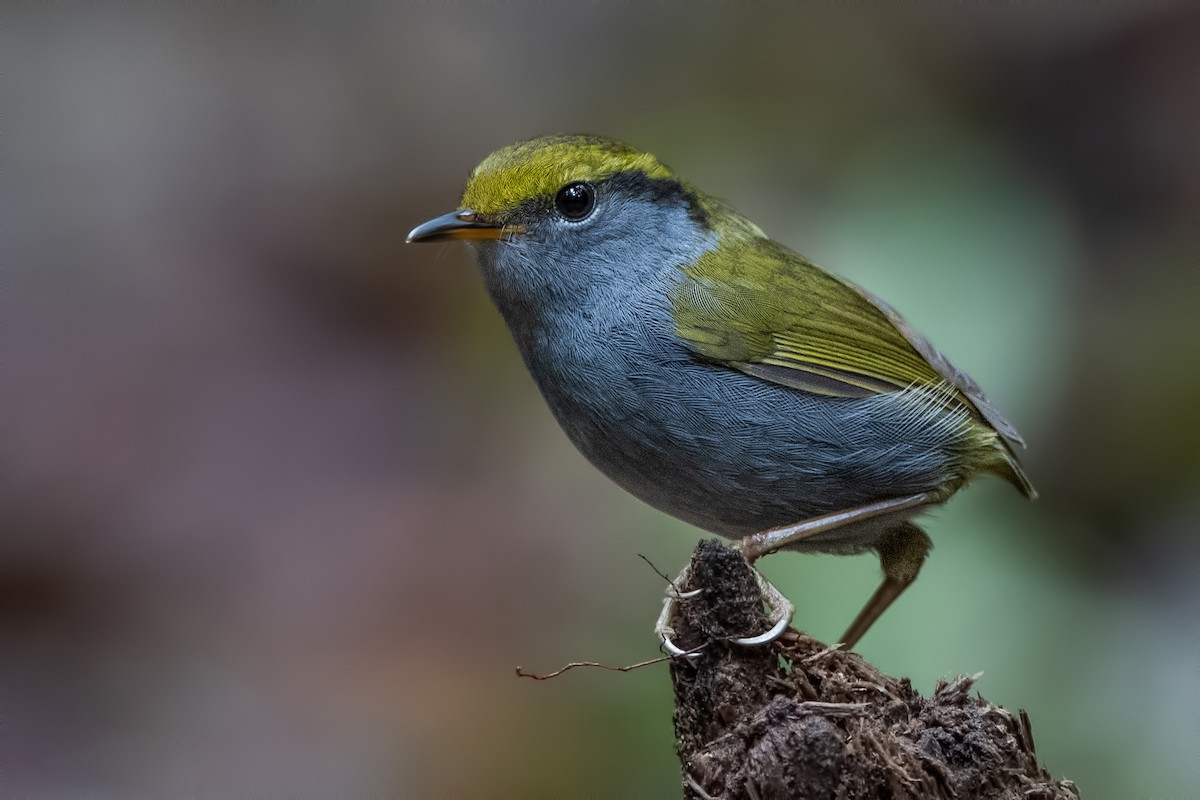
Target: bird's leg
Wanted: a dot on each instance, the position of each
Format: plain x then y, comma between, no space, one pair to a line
901,553
757,545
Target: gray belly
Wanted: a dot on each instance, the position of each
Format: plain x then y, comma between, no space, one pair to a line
725,451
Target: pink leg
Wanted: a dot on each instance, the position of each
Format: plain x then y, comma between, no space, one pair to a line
757,545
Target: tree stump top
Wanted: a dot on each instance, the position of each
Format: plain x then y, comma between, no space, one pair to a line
799,719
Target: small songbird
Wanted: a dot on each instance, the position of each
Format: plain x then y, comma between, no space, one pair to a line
713,372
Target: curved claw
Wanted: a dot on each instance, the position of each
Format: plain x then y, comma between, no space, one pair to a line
776,602
674,650
779,605
767,636
665,632
663,625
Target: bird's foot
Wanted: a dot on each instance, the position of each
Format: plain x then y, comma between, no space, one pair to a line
778,606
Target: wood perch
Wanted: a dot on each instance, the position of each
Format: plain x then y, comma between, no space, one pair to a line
798,719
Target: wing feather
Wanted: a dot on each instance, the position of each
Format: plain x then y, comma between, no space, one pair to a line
770,313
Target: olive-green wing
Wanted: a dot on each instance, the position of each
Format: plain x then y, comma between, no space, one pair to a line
768,312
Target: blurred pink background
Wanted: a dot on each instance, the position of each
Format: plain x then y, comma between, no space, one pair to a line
283,511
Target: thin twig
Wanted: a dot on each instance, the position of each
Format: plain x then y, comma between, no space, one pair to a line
833,648
832,709
657,571
696,787
521,673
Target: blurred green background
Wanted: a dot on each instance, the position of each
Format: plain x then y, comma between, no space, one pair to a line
283,510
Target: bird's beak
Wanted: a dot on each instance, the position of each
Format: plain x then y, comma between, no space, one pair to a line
461,224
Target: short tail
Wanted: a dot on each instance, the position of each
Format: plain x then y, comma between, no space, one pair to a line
1011,470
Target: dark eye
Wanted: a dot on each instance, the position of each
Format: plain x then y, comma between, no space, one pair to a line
575,201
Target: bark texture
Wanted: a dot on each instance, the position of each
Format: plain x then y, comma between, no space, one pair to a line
797,719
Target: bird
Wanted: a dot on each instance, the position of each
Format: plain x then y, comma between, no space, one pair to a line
716,374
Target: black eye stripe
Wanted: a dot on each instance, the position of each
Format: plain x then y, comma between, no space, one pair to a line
575,201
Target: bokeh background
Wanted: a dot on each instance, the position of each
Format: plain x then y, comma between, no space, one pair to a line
282,510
